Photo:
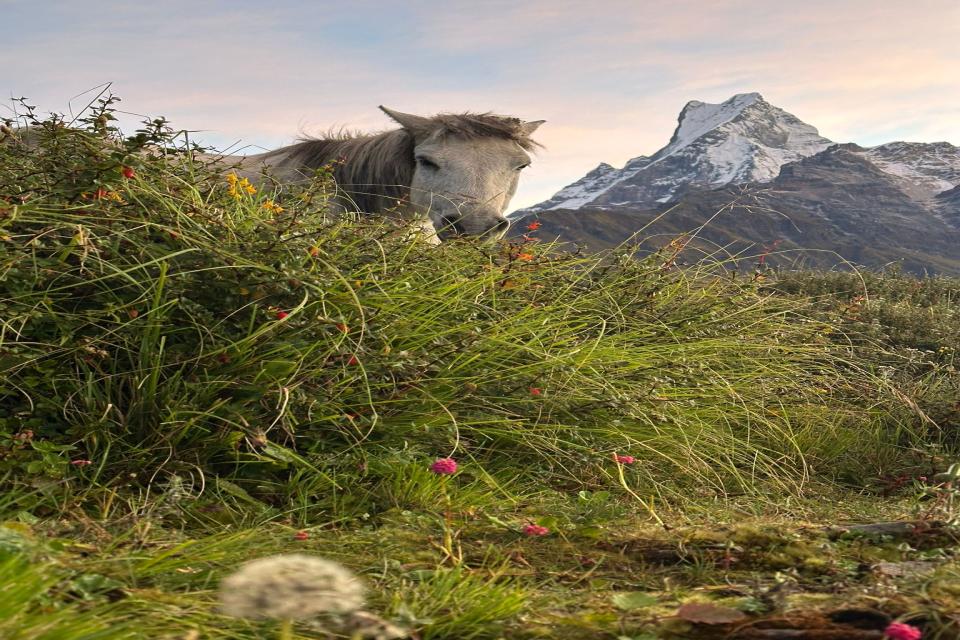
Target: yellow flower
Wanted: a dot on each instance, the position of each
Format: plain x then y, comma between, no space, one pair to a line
238,185
272,206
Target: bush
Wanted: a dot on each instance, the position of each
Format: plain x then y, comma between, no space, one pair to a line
159,319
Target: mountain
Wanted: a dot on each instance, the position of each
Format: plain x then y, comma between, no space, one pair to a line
741,140
750,174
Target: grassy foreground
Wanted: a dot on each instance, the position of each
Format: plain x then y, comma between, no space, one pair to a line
196,372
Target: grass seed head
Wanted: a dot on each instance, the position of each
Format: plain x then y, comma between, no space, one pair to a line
289,587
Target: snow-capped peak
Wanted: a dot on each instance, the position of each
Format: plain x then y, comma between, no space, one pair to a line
698,118
743,139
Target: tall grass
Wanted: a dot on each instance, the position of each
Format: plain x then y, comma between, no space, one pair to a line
154,325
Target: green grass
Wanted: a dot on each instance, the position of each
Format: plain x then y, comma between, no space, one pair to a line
189,378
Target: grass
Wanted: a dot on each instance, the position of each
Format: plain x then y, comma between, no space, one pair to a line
193,378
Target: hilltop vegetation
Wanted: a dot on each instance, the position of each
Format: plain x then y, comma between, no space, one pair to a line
197,371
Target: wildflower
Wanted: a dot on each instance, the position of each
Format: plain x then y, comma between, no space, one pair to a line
525,257
288,587
272,207
313,251
352,360
80,463
301,535
535,530
444,466
237,186
127,172
342,327
901,631
281,315
536,391
533,226
623,459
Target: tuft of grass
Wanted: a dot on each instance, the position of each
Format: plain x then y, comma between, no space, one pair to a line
455,603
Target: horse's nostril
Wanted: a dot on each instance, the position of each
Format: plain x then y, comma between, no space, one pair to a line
450,225
498,229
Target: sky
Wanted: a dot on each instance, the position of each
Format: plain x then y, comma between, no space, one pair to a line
609,76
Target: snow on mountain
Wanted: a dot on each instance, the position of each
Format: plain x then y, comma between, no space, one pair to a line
740,140
584,190
925,169
698,118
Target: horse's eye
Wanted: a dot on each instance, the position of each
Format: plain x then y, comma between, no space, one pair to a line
427,163
522,167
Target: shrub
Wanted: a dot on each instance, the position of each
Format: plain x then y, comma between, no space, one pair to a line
158,319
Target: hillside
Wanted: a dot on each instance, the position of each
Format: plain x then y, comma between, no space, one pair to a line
473,440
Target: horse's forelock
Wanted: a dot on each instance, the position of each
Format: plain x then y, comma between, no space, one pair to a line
484,125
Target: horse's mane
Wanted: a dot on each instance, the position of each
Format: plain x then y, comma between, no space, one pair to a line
376,169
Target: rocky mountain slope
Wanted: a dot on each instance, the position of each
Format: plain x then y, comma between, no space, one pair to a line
754,174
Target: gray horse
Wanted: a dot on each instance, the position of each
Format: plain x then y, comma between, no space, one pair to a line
455,172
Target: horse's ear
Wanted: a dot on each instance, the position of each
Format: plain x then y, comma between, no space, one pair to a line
417,125
527,128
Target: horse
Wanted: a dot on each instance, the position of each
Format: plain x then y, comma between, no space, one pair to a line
455,173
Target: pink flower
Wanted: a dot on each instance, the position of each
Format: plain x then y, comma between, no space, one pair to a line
536,391
444,466
624,459
901,631
80,463
535,530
